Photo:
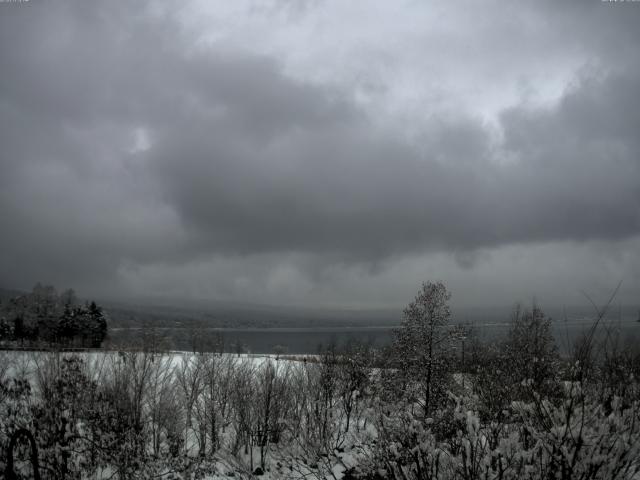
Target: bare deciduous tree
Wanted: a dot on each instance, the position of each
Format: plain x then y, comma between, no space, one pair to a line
424,346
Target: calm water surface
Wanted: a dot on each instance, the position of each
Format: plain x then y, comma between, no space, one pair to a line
308,340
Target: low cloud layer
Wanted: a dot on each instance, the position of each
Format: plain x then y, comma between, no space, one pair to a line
146,151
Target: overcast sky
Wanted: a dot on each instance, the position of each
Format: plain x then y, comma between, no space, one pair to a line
321,153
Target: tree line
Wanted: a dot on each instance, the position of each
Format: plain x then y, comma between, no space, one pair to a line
45,316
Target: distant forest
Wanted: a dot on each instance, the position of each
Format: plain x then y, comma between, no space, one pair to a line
45,316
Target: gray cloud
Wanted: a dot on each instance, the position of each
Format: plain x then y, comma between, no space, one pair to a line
129,145
340,186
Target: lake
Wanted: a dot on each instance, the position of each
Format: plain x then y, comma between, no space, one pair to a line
308,340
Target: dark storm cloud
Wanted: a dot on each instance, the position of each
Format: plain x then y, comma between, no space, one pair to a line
340,185
237,157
